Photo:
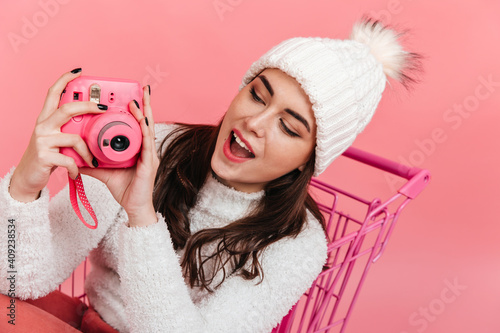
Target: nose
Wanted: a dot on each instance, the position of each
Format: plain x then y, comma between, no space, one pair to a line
259,122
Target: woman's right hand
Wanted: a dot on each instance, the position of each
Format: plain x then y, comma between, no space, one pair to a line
42,156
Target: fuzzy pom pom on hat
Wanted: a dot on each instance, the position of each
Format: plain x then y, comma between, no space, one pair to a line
344,80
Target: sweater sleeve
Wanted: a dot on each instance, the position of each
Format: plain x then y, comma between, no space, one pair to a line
43,241
157,298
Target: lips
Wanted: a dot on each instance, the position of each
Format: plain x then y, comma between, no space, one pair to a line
237,149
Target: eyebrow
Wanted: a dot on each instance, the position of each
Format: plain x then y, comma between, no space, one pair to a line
299,118
267,84
287,110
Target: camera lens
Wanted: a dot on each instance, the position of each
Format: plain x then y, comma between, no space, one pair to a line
119,143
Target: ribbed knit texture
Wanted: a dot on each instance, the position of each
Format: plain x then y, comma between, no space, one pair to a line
344,83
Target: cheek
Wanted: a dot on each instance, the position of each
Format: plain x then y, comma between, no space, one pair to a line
241,106
290,153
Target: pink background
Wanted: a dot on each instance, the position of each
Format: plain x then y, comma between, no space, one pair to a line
194,58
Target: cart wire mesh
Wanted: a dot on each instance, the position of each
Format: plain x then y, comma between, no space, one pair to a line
357,230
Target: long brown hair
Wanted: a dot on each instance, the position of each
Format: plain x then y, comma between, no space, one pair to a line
184,167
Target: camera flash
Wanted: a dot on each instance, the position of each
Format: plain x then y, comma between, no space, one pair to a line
95,93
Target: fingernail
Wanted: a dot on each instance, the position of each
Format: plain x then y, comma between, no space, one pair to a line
102,107
146,119
136,104
76,70
149,89
95,163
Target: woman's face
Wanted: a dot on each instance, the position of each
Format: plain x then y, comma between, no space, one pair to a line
268,131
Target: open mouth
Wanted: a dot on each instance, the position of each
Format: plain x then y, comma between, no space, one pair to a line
236,149
239,148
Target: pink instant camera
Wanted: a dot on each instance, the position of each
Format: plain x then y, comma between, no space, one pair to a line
114,137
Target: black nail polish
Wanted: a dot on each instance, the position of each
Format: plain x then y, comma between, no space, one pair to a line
149,89
94,162
102,107
136,104
76,70
146,119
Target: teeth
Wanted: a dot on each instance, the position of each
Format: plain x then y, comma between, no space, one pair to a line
241,143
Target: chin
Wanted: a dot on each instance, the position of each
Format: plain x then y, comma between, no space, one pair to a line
233,178
223,173
219,168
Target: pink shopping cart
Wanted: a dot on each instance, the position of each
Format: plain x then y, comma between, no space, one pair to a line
358,231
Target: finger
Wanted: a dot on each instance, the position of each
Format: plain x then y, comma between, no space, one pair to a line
101,174
135,110
148,146
70,110
148,112
55,91
64,161
69,140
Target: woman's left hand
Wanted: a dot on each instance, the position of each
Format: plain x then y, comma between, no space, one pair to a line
132,187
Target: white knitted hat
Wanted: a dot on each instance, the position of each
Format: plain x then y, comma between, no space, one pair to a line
344,80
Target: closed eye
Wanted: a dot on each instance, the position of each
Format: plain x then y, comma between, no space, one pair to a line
287,130
255,96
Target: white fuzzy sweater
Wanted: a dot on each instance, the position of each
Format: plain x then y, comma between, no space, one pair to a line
136,282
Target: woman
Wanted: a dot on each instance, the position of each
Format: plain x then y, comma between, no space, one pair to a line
216,232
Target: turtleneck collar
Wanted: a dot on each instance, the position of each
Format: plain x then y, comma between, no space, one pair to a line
218,205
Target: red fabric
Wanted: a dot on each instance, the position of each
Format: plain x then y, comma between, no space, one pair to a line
68,309
29,318
56,312
93,323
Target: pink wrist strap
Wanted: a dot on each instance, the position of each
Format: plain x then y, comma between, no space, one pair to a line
74,186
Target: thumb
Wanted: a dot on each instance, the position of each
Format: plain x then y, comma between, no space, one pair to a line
100,174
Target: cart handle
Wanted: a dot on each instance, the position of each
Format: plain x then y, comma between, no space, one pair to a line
417,178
